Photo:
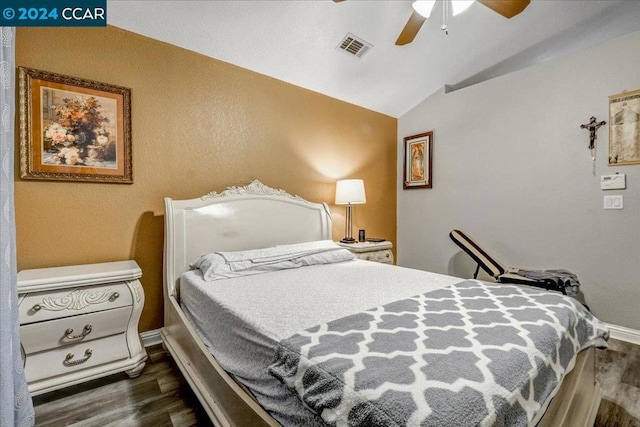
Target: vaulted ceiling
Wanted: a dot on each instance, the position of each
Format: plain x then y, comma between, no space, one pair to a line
295,41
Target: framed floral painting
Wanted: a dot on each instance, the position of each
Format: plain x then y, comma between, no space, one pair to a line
418,151
73,129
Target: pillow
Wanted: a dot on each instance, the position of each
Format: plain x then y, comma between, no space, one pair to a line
225,265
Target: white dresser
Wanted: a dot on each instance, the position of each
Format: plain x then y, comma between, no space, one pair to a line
371,251
80,322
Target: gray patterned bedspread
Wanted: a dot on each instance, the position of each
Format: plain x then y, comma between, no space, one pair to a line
469,354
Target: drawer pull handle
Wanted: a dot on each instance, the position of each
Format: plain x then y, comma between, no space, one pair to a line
36,307
114,296
85,331
67,360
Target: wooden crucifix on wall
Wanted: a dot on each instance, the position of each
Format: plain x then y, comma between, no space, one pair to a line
593,127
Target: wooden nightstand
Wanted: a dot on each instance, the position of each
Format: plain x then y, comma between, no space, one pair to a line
80,322
369,251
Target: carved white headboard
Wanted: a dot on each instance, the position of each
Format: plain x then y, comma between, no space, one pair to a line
250,217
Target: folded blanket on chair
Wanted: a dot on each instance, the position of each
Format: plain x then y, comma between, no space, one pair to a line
563,279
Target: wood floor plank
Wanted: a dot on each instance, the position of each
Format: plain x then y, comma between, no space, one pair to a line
631,374
620,406
611,414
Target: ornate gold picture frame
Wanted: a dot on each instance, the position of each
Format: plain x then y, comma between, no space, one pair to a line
72,129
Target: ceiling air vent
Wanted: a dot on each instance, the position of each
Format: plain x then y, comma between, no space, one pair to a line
354,46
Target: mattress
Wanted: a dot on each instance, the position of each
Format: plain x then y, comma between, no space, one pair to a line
247,316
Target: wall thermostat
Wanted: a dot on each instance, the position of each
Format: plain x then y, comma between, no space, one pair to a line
617,181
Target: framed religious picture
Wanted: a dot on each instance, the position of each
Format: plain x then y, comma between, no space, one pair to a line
418,150
624,128
73,129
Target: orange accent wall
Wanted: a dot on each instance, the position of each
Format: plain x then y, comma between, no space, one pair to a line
198,125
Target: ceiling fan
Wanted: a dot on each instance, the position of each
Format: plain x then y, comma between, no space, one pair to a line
422,10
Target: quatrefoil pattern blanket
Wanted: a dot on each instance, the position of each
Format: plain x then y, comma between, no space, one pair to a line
471,354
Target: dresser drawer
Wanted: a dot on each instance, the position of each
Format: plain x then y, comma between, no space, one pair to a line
385,256
42,336
48,364
39,306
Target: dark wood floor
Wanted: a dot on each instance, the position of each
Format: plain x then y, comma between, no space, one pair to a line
160,396
618,372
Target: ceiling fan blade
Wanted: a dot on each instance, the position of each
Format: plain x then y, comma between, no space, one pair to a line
506,8
410,30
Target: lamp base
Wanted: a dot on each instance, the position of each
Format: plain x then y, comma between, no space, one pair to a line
348,240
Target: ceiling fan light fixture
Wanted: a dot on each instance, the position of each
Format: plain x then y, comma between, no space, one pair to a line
423,7
459,6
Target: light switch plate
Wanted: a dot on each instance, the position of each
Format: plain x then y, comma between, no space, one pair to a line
616,181
613,202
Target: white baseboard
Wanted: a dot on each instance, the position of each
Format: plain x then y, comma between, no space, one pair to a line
150,338
623,333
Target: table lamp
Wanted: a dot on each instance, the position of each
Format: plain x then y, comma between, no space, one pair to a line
350,192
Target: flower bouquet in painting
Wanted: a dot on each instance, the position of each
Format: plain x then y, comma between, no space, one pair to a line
77,134
73,129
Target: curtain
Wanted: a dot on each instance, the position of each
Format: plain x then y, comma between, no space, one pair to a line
16,408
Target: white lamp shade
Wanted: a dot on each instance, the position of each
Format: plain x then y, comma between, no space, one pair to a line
350,191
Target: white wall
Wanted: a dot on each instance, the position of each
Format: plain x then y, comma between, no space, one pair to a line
512,169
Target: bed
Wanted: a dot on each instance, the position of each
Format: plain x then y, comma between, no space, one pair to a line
267,324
